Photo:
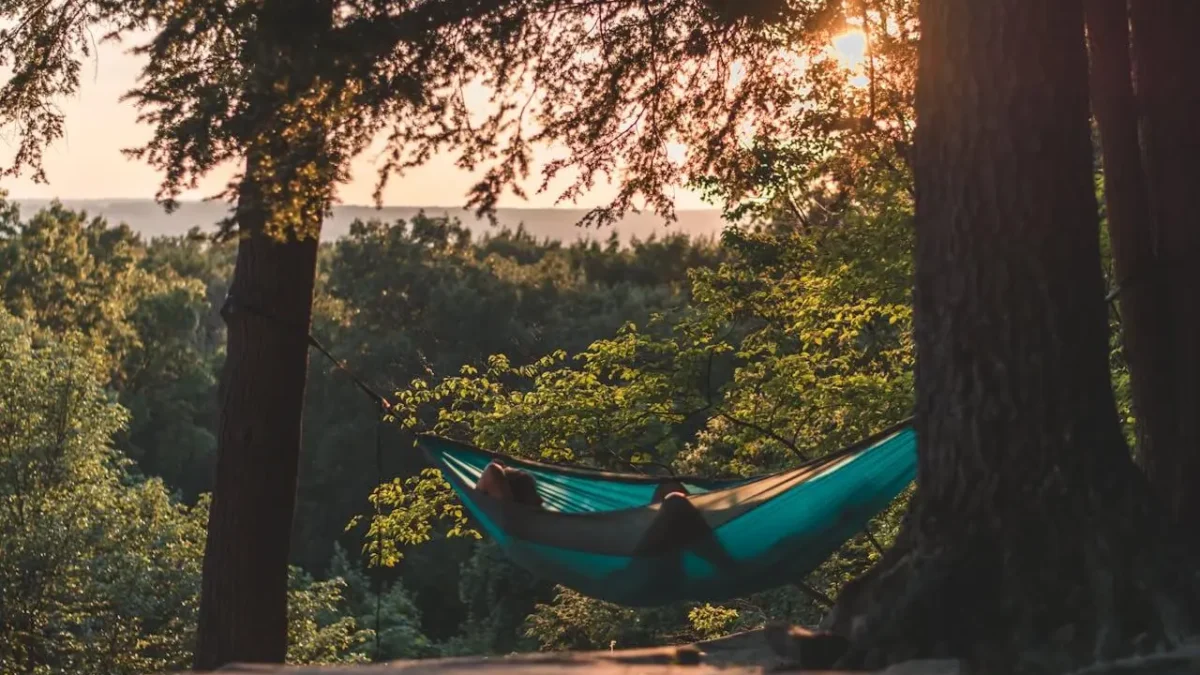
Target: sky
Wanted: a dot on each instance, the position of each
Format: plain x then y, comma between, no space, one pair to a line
87,162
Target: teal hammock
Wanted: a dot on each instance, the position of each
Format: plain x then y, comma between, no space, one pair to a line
761,532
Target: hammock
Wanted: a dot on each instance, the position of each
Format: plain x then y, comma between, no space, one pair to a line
762,532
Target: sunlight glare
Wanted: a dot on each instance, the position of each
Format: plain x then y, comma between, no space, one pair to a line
677,153
850,48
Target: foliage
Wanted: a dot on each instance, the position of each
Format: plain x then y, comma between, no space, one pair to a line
68,272
400,635
213,96
99,572
423,500
653,95
312,639
711,622
163,369
100,569
795,343
573,621
498,596
789,350
650,94
322,626
41,46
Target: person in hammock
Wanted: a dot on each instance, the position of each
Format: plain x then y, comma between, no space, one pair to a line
679,527
508,484
678,524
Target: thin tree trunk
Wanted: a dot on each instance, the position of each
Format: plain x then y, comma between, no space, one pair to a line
1032,543
1133,233
1167,82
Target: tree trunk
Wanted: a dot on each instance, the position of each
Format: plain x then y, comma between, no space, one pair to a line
283,193
1134,235
243,606
1167,80
1032,536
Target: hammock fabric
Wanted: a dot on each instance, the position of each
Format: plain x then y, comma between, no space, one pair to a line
597,533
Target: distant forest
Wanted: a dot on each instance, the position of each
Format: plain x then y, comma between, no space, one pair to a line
147,218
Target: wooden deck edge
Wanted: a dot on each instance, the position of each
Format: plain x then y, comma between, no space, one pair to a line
713,657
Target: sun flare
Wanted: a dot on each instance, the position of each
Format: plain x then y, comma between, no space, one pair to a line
850,48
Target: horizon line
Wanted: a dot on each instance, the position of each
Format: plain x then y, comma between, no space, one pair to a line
12,198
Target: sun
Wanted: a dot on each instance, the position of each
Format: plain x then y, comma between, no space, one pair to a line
850,48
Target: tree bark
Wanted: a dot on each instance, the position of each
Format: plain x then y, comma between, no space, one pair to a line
243,613
1167,82
1032,544
243,601
1134,235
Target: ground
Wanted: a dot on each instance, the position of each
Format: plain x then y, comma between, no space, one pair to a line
742,654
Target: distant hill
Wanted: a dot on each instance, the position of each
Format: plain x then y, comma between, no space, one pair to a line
148,218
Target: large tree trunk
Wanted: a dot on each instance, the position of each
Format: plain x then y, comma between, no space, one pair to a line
1032,543
1167,80
283,193
1134,235
244,598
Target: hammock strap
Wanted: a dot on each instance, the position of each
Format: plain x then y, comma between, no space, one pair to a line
233,304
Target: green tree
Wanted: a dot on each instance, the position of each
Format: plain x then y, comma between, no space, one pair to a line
1013,386
499,596
99,572
164,371
317,632
293,91
399,619
68,272
576,622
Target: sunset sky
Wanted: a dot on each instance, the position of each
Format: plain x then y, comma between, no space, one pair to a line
88,164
